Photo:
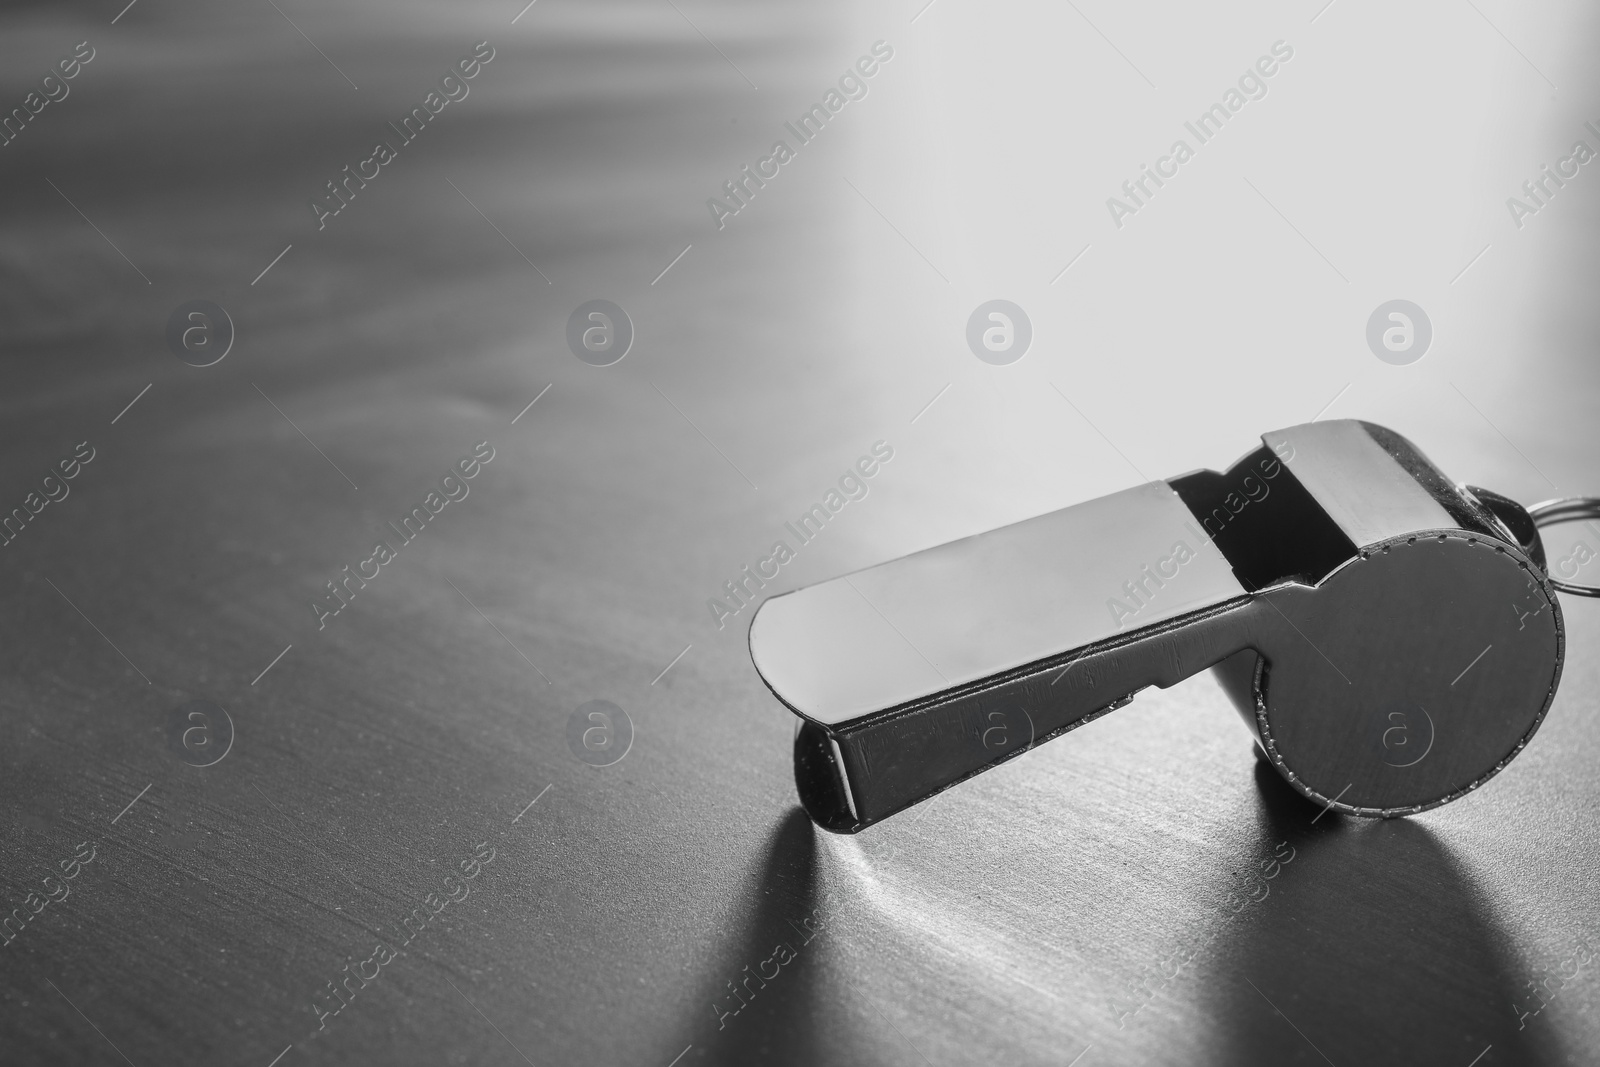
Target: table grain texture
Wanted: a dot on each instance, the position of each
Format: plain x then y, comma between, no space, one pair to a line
1138,892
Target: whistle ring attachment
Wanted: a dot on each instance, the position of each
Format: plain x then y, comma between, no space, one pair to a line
1567,509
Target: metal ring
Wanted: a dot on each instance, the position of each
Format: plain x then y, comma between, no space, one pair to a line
1568,509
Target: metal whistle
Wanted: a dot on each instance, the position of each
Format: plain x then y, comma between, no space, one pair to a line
1390,637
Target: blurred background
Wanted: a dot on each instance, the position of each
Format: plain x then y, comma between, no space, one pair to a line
1075,903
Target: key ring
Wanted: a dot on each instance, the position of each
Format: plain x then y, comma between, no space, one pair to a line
1567,509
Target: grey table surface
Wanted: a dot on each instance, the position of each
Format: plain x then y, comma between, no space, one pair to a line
1074,907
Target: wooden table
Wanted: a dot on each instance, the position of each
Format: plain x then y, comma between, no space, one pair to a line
1076,906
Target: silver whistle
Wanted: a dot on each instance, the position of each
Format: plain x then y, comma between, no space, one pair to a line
1390,637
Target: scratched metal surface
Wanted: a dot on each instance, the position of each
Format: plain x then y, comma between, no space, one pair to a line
1138,892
